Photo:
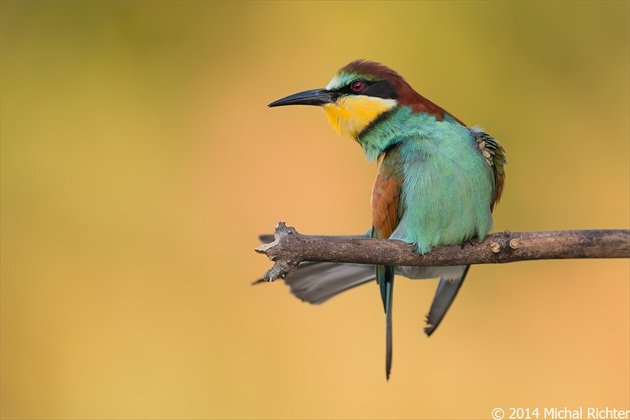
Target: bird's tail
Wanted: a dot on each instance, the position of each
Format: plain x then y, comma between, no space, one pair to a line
444,296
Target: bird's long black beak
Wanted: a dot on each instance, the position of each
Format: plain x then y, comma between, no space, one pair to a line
308,97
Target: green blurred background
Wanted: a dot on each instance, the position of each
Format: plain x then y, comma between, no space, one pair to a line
139,163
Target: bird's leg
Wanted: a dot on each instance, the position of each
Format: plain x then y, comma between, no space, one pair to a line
472,242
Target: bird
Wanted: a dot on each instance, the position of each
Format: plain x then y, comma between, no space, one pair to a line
437,184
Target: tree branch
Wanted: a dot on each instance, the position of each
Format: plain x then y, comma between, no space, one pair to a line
290,248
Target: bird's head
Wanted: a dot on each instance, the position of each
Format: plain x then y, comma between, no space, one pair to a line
361,93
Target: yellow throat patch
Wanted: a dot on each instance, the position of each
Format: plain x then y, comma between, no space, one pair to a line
351,114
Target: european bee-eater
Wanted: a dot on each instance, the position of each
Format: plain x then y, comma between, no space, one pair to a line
437,184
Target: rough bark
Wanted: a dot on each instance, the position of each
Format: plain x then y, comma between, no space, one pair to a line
290,248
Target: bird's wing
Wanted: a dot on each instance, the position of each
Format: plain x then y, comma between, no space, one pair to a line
495,157
386,199
316,282
385,212
444,296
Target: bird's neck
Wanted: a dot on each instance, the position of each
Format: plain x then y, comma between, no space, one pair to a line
384,132
396,126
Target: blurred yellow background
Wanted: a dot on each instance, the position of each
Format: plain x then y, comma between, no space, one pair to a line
140,162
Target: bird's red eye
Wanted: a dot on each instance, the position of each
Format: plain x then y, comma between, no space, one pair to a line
357,86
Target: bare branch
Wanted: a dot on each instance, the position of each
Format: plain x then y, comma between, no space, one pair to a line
290,248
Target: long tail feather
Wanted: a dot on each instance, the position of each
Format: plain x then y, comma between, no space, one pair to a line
388,328
385,278
444,296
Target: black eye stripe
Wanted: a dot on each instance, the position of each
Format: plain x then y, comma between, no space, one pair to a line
347,89
380,89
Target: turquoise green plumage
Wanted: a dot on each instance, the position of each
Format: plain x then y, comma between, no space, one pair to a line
437,184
